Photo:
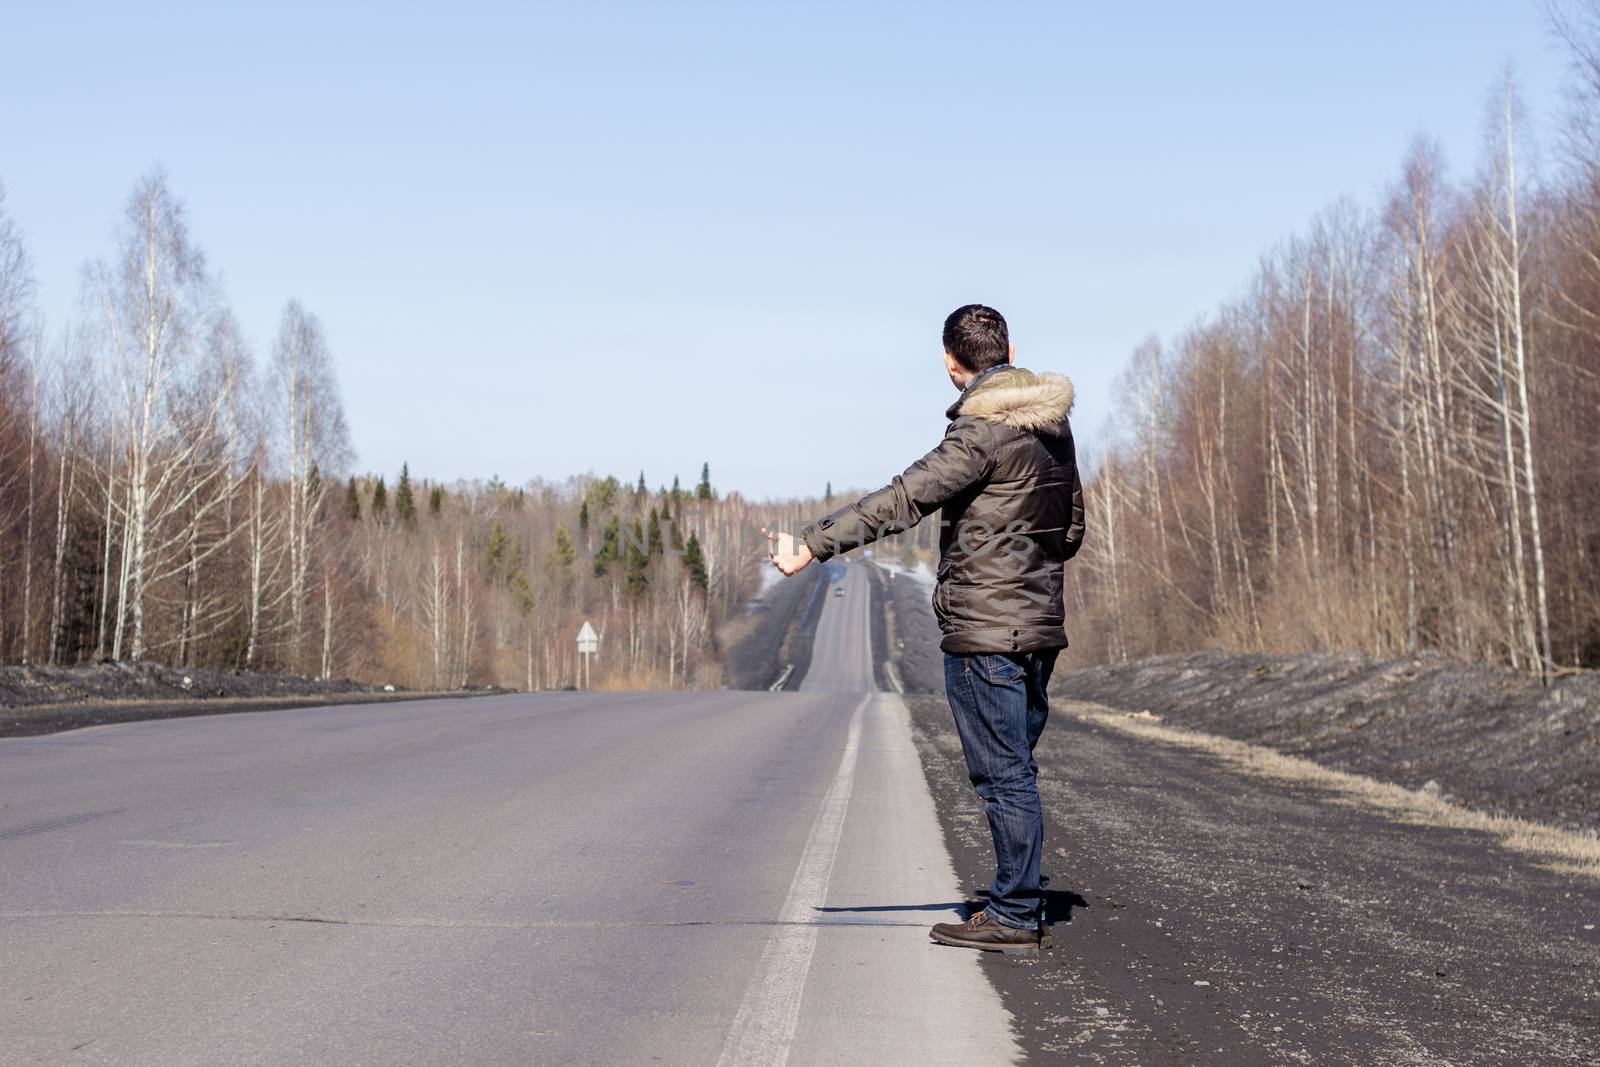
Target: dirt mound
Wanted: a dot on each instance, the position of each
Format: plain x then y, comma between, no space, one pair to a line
44,700
1488,737
23,687
916,636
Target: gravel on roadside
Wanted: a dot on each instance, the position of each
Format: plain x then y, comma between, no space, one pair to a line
1202,915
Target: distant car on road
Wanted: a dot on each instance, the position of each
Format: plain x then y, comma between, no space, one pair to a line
838,590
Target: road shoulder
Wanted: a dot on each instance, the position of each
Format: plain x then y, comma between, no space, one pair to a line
1218,915
875,979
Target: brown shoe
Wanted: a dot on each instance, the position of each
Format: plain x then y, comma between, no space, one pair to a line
983,931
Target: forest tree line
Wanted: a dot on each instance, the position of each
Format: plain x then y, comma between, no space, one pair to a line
1389,440
164,498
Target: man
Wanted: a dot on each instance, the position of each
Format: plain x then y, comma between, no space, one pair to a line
1005,479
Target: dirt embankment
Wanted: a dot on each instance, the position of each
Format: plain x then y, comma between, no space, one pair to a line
1207,913
775,631
1483,735
914,637
41,700
102,682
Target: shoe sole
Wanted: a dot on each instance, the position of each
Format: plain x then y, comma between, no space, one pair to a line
1029,949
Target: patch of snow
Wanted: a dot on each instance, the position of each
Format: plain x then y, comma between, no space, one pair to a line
922,573
770,576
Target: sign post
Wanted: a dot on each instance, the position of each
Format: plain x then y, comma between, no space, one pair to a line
588,641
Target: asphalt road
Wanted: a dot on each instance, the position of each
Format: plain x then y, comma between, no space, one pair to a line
679,878
841,654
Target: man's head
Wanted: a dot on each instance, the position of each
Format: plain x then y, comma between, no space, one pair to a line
975,339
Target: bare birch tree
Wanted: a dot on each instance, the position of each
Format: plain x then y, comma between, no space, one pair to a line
315,443
154,299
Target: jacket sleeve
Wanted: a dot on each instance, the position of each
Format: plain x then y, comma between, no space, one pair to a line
1076,526
960,461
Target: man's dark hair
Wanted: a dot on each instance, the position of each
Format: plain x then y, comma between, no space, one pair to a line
976,335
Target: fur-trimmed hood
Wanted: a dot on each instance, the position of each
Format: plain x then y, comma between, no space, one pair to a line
1013,396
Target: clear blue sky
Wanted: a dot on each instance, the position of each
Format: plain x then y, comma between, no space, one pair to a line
550,238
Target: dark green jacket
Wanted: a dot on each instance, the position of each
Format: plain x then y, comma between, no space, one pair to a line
1005,480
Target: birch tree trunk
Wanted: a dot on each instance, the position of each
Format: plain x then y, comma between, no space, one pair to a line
1519,349
316,444
65,486
327,626
27,538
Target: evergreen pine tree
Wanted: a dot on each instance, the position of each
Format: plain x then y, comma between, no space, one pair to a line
497,552
607,553
521,592
583,516
405,502
640,490
603,493
638,560
676,490
352,500
380,498
436,500
827,494
656,547
694,561
562,553
703,491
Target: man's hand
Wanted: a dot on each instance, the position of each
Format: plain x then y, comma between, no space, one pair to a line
785,554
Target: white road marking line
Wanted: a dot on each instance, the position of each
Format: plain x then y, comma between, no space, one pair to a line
763,1030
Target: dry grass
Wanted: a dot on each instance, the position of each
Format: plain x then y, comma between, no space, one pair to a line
1554,848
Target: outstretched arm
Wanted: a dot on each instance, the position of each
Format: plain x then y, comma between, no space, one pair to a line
960,461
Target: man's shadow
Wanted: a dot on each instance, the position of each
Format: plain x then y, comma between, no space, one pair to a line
949,905
1059,905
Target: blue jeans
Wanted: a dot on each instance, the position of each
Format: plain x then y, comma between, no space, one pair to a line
1000,706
